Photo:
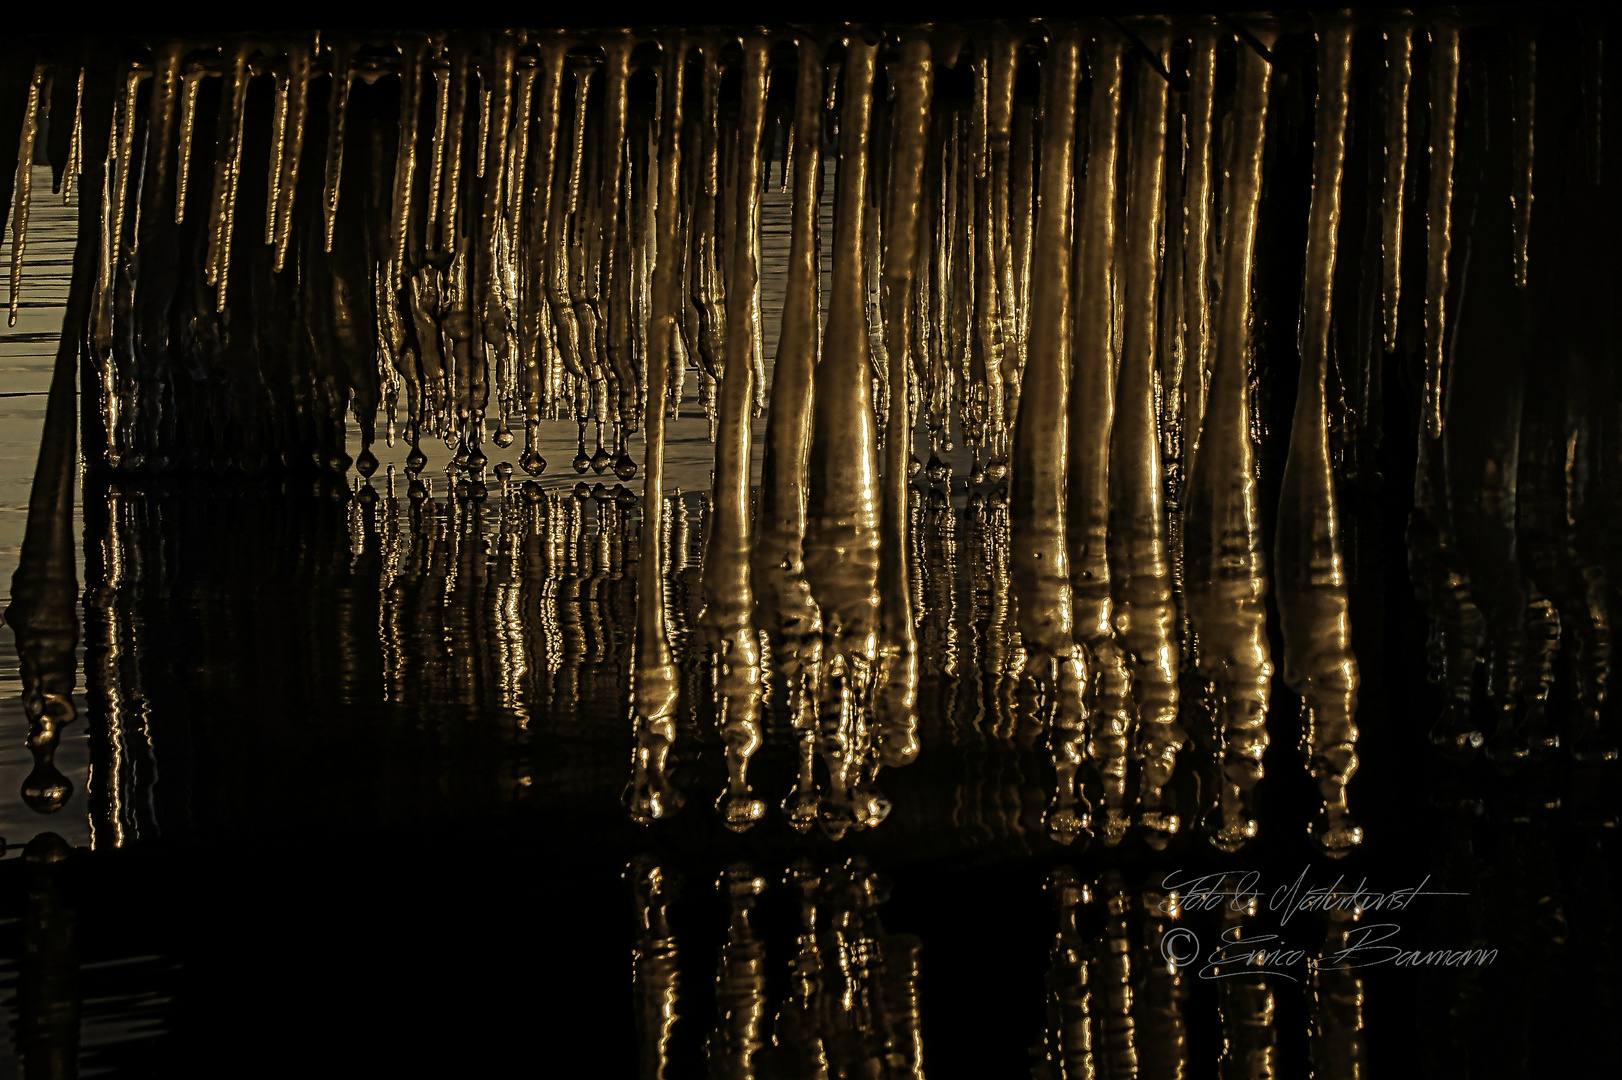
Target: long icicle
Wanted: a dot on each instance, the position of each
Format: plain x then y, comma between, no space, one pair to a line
1197,240
1039,491
791,620
1313,598
1439,212
1092,414
188,121
1526,58
897,699
227,168
1399,51
842,534
1140,563
337,113
656,683
1226,564
24,186
729,597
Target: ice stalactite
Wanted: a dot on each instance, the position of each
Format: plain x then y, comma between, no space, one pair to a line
655,680
1313,594
729,597
1039,489
1226,572
1144,614
1092,414
843,510
792,621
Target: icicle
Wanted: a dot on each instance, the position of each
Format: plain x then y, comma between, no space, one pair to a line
1092,415
405,161
791,620
897,698
24,186
440,141
729,598
655,685
1039,488
337,112
999,249
75,144
612,192
227,169
1312,589
1224,557
1197,241
1399,50
461,71
1525,111
1140,565
1439,212
842,534
188,120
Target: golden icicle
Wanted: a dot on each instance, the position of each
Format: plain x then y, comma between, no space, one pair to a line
1140,563
1039,489
1399,50
70,176
655,685
842,534
1092,415
1526,58
791,620
729,597
1439,212
897,698
1313,598
1197,239
188,120
227,165
337,111
24,186
1226,567
405,157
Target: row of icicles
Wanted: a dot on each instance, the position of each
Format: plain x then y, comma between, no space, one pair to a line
1060,284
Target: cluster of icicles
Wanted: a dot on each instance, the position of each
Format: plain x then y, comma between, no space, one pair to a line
517,227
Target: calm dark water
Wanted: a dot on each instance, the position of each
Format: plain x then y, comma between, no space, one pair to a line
346,800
